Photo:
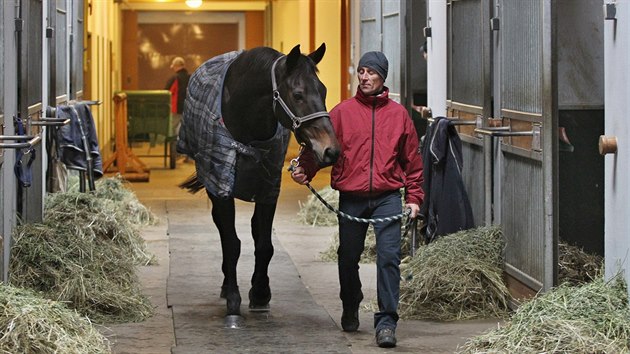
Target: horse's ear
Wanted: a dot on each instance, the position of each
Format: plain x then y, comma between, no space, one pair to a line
293,57
317,55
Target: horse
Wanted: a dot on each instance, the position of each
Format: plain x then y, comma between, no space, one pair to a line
264,96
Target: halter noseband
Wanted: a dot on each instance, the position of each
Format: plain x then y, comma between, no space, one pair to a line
297,121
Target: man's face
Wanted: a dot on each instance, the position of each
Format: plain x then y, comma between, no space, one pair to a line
370,82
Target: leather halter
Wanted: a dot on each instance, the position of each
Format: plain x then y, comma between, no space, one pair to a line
297,121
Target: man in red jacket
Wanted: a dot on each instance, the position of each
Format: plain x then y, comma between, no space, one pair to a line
379,156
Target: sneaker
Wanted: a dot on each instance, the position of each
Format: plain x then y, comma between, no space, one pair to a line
386,338
350,320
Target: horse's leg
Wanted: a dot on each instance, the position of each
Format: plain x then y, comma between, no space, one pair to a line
262,222
223,214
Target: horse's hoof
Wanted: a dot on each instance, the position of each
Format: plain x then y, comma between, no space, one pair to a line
259,308
234,321
259,304
233,302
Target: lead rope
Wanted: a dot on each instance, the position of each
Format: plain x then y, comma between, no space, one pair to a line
295,163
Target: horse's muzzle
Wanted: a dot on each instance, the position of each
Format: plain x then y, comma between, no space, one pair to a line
330,156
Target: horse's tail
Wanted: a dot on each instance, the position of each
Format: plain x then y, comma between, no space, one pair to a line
192,184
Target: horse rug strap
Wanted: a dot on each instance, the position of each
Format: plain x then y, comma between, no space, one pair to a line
226,167
23,171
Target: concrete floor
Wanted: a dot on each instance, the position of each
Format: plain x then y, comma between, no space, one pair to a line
305,308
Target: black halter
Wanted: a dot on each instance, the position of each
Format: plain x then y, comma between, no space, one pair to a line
297,121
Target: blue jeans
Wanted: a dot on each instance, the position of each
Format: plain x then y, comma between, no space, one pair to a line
351,244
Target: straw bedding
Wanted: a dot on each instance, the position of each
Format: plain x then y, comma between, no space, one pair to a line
31,324
84,253
456,277
115,189
590,318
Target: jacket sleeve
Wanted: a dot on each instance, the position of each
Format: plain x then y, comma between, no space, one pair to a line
411,162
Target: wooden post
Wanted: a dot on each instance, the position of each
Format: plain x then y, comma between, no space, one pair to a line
126,162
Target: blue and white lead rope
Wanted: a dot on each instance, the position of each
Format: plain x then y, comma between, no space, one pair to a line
294,163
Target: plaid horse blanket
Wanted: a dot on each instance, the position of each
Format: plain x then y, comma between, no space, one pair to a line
226,167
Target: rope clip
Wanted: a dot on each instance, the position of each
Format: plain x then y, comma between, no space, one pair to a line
293,164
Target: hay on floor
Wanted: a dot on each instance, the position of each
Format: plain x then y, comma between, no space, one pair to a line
88,216
456,277
31,324
94,276
575,266
84,253
315,213
591,318
115,189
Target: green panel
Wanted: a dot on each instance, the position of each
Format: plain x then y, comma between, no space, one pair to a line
148,114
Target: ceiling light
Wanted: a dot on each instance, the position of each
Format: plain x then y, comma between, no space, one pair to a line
193,3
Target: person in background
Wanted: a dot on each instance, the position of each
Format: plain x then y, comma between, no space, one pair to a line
177,84
379,156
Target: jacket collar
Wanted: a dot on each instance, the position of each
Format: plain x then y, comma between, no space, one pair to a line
380,99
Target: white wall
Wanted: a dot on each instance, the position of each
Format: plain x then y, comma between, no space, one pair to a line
436,60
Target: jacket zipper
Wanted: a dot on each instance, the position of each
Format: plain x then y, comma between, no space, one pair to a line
372,148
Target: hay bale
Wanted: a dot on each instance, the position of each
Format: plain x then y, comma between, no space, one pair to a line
94,275
315,213
31,324
591,318
456,277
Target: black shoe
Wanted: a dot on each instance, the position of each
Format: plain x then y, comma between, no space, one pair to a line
350,320
386,338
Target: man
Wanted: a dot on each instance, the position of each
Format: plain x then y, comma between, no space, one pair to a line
379,156
177,84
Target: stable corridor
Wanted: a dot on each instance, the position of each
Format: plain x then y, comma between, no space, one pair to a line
305,308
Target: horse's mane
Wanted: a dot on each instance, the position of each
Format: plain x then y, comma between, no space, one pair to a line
258,59
262,58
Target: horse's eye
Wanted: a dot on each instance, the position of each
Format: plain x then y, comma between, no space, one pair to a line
298,96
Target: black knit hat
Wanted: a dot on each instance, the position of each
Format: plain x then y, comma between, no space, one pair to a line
375,61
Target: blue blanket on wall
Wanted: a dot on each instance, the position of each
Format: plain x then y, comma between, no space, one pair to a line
71,148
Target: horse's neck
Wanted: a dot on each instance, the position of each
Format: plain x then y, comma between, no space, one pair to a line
247,103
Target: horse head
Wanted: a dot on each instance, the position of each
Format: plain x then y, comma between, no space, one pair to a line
302,97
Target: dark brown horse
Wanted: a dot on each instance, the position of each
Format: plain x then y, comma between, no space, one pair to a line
238,135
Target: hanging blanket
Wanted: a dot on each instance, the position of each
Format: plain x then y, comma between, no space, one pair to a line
72,149
226,167
446,208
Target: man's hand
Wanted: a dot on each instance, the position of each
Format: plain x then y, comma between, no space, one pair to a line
299,176
415,209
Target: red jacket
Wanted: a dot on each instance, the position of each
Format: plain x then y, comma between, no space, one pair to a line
178,84
379,148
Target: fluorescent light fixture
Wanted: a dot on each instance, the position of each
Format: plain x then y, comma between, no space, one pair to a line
193,3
